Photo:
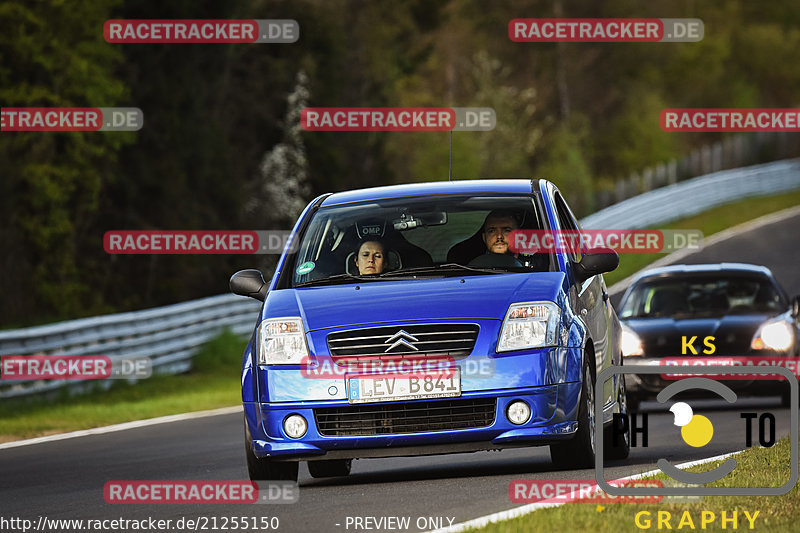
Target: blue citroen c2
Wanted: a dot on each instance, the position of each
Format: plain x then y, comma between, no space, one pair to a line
398,278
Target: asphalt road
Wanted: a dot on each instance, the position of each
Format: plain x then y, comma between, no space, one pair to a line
65,479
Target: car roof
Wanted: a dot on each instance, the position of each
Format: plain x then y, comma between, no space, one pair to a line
708,268
502,186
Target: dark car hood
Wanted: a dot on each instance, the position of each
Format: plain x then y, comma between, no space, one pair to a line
407,300
662,336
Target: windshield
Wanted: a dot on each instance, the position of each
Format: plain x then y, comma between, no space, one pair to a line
710,295
415,237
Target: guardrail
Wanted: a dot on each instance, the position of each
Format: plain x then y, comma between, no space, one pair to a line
169,336
696,195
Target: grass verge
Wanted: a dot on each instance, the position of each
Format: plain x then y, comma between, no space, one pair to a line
709,222
757,467
213,382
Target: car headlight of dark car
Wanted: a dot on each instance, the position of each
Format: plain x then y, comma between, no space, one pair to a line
776,335
631,342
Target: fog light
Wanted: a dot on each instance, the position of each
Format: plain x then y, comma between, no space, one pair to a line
518,412
295,426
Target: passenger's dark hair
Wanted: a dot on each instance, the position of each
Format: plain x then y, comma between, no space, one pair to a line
359,244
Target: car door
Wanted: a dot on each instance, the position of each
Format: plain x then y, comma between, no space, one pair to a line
591,297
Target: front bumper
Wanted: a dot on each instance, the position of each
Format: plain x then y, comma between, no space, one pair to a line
553,418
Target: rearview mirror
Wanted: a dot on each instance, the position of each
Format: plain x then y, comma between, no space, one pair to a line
249,283
593,263
796,306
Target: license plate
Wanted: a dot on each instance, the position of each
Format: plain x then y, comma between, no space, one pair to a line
417,386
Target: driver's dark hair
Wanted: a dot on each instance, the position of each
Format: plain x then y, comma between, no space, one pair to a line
500,213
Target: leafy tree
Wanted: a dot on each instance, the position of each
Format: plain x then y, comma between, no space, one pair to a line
53,55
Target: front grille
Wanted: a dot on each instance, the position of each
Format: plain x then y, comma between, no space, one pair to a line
390,342
410,417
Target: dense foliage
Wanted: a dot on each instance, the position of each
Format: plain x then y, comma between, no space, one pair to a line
580,114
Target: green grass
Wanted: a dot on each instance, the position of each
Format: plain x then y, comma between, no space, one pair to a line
709,222
213,382
757,467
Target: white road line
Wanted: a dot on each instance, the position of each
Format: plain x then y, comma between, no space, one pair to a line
723,235
531,507
122,427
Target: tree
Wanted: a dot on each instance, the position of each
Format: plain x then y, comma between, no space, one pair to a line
282,183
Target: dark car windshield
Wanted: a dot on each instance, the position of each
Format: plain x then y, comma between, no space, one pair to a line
717,294
407,238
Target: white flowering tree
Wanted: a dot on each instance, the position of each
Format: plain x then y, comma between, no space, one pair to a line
282,183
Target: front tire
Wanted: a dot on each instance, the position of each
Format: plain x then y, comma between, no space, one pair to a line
622,449
579,451
265,469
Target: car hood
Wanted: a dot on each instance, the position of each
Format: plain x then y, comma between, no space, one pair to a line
476,297
663,336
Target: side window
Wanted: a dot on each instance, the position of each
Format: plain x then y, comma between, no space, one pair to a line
567,222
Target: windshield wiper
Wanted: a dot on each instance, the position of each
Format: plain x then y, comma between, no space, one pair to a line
338,278
447,267
406,273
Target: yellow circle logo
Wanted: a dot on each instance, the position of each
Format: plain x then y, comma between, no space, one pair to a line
698,431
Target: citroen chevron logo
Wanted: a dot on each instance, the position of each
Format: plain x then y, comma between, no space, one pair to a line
401,338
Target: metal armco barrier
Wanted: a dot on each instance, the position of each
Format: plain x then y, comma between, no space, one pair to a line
169,336
696,195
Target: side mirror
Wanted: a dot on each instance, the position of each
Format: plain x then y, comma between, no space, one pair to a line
593,263
796,306
249,283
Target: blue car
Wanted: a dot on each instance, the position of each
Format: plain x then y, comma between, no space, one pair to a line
403,321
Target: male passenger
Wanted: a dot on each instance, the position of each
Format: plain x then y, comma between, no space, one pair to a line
497,229
496,236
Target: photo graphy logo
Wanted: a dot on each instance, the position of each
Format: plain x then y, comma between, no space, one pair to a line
696,430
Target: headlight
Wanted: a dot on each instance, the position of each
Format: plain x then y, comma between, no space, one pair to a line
281,341
631,343
529,325
777,335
